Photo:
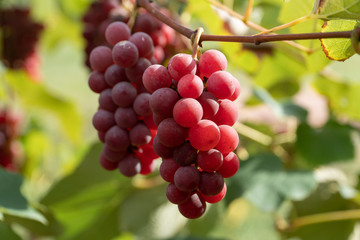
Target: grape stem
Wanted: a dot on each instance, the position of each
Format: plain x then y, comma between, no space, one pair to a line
320,218
256,39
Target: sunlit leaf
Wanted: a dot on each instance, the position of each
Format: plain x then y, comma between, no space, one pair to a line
339,9
338,49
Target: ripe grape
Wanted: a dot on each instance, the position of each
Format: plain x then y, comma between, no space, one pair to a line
130,165
111,155
227,113
161,150
116,32
143,42
155,77
106,102
125,117
230,165
212,61
221,84
216,198
190,86
185,154
186,178
141,104
168,168
210,161
204,135
124,94
193,207
175,195
162,101
115,74
106,164
229,139
125,54
135,73
100,58
180,65
187,112
103,120
140,135
97,82
209,104
170,133
117,138
211,183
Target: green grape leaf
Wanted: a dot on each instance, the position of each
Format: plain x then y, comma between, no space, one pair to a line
315,204
7,233
86,203
331,143
37,98
243,220
262,180
338,49
12,202
343,96
338,9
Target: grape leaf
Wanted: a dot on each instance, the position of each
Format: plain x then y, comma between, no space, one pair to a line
338,9
12,202
338,49
7,233
262,180
343,96
331,143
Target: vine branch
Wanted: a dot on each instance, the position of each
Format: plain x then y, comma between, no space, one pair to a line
256,39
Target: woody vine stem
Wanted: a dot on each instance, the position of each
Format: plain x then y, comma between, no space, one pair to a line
255,39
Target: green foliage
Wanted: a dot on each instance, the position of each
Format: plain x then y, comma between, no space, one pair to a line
328,144
12,202
61,192
338,49
339,9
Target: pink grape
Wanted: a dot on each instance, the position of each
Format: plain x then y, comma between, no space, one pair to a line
229,139
227,113
129,166
135,73
168,167
187,112
221,84
209,104
124,94
175,195
143,42
230,165
216,198
162,101
155,77
180,65
100,58
190,86
212,61
211,183
204,135
115,74
125,117
97,82
116,32
125,54
117,138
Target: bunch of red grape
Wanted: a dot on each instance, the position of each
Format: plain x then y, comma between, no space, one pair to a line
124,118
20,35
9,144
101,13
96,20
192,105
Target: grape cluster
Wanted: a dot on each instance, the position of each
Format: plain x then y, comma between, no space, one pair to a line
124,118
19,38
96,20
192,105
9,144
103,12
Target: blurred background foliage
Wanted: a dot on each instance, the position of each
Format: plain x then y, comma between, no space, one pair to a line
299,128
